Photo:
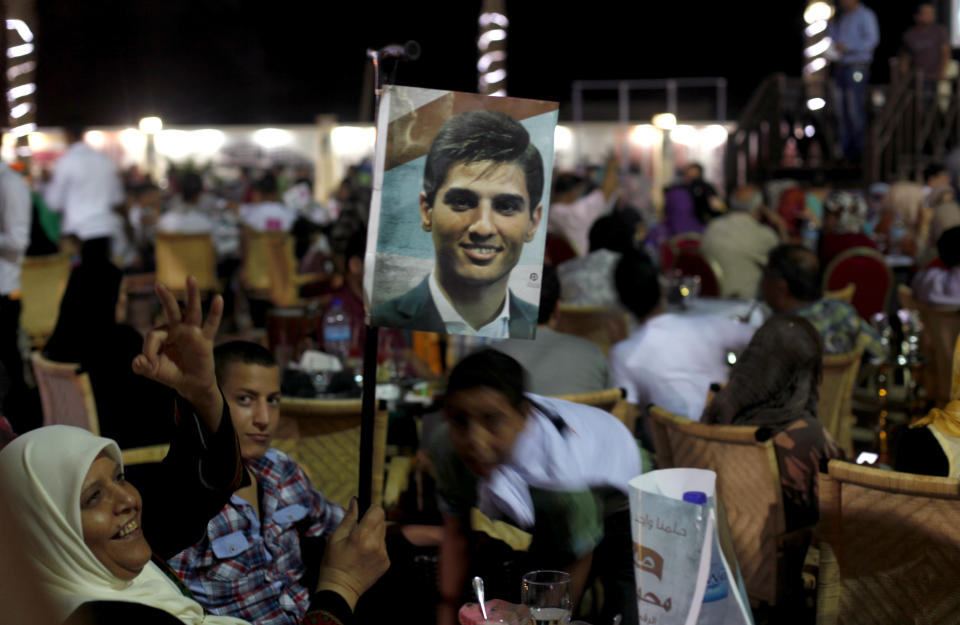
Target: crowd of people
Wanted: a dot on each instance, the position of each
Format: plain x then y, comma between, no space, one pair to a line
273,549
228,529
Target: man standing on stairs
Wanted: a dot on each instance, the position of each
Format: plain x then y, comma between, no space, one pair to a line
855,34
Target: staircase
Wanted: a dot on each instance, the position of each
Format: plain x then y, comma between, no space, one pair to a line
772,140
915,128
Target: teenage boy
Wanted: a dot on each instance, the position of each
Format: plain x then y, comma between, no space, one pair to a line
260,557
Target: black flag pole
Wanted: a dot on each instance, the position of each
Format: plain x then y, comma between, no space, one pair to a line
368,411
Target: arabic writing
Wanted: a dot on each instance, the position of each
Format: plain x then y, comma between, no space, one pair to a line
649,620
648,560
653,599
659,524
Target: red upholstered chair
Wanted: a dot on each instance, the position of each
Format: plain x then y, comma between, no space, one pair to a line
558,249
689,262
672,247
867,269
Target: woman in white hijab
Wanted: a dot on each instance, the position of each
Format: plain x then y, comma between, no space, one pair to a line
83,523
82,528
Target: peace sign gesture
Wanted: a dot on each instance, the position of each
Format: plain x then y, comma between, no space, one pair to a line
179,354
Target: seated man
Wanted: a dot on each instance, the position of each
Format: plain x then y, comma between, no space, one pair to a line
739,243
267,213
260,557
557,363
671,359
547,477
792,284
941,285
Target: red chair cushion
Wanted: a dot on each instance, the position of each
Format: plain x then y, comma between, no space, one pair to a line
691,263
872,279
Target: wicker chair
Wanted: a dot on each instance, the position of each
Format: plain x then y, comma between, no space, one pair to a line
748,483
144,455
65,394
844,295
941,331
67,399
836,396
613,400
890,547
603,325
323,436
270,268
182,255
43,280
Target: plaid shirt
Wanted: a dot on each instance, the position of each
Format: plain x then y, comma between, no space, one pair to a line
251,569
842,328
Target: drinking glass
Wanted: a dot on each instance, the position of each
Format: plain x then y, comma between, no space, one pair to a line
547,595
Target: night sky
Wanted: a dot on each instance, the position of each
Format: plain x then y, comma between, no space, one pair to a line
238,61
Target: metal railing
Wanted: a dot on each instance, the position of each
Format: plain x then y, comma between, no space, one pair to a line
917,126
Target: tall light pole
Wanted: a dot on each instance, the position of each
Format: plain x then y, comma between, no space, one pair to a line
21,66
492,48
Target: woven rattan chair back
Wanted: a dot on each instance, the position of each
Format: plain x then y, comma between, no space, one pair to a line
748,483
890,548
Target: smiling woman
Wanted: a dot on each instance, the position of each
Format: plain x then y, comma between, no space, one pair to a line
83,526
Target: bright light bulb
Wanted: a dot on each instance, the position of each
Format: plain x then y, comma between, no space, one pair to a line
645,135
151,125
95,138
817,12
713,136
271,138
684,135
665,121
815,104
356,140
562,138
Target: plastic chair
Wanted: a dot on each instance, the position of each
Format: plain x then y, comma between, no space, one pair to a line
836,396
691,263
65,394
181,255
323,436
603,325
748,483
867,269
43,280
890,548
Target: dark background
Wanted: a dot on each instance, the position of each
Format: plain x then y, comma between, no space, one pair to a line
239,61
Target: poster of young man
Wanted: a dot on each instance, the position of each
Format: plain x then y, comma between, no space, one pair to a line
459,212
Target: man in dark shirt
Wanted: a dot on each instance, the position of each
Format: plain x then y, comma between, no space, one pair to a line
926,47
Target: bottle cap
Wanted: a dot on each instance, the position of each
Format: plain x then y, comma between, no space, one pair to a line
695,496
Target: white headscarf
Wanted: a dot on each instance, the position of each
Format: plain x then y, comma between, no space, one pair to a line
45,470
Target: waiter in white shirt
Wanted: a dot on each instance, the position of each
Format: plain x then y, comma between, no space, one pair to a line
15,215
85,187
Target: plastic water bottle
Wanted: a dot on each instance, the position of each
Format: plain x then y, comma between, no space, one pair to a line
336,332
898,231
810,235
714,610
